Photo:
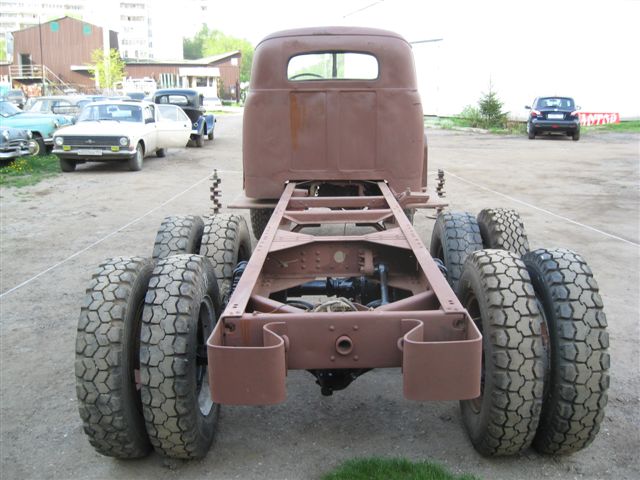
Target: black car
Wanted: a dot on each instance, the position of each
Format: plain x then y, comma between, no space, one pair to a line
553,115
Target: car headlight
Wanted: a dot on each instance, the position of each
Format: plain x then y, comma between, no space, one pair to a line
59,141
124,141
29,134
5,135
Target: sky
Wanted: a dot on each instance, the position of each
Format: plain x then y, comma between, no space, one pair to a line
585,49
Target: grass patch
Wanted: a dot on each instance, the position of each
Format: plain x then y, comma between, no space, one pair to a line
391,469
627,126
28,170
511,127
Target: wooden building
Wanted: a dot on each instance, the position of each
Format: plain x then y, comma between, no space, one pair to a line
47,52
58,53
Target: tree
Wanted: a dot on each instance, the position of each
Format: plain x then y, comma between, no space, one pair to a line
106,69
491,109
207,42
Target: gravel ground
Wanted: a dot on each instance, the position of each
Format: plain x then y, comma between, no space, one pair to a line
582,195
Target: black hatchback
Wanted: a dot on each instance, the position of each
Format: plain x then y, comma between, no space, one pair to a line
553,115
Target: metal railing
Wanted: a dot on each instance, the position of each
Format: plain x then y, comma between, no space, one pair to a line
37,72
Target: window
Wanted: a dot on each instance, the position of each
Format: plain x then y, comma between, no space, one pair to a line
180,100
333,66
148,115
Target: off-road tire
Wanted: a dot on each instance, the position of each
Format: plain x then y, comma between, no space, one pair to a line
181,309
455,236
576,136
497,292
502,228
178,234
259,219
135,162
107,355
161,152
225,242
577,377
67,165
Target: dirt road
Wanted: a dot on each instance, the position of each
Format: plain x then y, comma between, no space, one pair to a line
583,195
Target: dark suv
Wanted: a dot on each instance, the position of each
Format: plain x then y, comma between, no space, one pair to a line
553,115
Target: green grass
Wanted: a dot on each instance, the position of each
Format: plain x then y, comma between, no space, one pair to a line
391,469
28,170
449,123
628,126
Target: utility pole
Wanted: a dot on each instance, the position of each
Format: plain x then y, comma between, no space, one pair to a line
44,85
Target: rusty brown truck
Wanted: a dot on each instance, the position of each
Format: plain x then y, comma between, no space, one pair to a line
334,137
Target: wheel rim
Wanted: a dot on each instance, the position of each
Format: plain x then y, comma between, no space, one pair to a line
473,308
134,357
206,321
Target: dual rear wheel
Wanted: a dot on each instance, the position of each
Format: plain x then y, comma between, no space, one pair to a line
141,356
545,361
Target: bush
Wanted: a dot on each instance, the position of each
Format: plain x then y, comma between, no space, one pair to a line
472,116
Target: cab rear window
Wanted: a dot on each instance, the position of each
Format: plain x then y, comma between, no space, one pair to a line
333,66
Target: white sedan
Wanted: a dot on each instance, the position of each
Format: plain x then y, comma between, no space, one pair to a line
121,130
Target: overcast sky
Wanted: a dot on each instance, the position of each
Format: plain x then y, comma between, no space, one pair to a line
584,49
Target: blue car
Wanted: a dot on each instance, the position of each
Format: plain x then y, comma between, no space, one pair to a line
41,125
192,103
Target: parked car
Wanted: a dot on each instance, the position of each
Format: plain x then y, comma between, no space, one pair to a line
192,103
135,95
121,130
553,115
41,125
69,105
211,100
17,97
14,143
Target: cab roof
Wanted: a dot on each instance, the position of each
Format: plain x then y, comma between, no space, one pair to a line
333,31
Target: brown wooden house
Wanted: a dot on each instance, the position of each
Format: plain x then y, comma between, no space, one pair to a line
58,54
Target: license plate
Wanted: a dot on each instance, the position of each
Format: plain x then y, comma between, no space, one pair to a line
92,152
555,116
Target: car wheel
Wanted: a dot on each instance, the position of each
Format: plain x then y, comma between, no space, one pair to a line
502,228
67,165
576,344
210,136
200,140
107,358
135,162
455,236
178,234
161,153
181,309
226,242
39,147
496,290
576,135
531,132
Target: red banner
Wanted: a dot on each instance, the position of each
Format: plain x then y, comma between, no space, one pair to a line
588,119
